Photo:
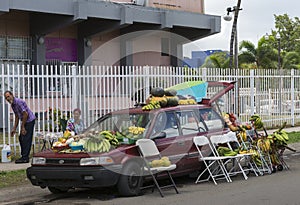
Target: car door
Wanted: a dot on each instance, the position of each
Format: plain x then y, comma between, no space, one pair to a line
178,129
164,132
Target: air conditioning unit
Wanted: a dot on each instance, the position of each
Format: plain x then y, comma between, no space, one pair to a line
139,2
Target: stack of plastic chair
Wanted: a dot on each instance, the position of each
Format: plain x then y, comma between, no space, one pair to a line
213,163
235,161
249,163
265,164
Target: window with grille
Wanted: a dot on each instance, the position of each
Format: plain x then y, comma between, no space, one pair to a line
15,48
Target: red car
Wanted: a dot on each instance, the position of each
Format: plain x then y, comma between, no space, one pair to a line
172,129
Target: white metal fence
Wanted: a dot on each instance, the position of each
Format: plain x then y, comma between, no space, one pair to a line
96,90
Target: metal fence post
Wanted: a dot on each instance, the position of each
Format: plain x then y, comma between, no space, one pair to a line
293,97
147,82
204,74
74,87
252,88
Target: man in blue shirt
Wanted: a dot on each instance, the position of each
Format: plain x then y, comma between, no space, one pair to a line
27,118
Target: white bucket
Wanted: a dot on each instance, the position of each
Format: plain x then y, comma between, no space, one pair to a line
6,154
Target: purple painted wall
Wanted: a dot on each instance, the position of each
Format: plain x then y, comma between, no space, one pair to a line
64,49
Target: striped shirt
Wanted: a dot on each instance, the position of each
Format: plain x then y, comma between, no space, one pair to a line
19,106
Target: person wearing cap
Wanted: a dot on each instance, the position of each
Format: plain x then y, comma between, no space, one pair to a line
27,118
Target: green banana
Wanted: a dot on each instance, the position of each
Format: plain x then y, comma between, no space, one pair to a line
100,146
284,135
254,117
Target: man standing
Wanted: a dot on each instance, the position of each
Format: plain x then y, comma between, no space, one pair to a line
27,118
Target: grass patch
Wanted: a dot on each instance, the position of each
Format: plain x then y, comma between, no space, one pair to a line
13,178
294,137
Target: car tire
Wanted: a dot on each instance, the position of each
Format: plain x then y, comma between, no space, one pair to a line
130,181
58,190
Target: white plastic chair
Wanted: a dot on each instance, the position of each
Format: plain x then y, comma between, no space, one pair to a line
148,152
236,168
213,164
231,137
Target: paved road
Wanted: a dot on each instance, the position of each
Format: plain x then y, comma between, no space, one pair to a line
280,188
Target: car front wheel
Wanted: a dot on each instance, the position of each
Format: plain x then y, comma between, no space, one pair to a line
130,181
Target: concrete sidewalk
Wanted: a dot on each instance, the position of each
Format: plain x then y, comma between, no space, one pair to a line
10,166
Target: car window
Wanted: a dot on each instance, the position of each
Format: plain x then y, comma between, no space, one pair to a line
211,119
119,122
188,122
165,122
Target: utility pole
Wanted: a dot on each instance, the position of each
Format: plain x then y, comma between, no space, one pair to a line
233,38
234,42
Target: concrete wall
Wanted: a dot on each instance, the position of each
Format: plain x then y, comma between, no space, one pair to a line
181,5
14,24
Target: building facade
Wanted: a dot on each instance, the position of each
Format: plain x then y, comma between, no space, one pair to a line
95,32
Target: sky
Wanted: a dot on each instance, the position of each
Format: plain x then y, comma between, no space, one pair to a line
255,20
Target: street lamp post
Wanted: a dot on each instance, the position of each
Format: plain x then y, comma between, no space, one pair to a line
280,73
278,39
233,39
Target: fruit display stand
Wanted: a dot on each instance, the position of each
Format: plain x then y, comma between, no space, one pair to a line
268,148
97,141
47,138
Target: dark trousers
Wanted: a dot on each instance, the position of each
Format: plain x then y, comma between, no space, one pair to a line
26,140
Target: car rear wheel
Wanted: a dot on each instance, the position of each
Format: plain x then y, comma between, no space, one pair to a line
58,190
130,181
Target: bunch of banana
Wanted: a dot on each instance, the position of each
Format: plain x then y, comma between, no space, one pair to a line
242,136
96,144
225,151
274,159
120,136
264,144
153,104
187,102
113,140
136,130
280,137
246,151
258,124
256,157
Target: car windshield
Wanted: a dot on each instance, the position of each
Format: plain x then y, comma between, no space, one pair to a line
120,122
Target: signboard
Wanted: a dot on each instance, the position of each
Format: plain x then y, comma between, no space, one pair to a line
64,49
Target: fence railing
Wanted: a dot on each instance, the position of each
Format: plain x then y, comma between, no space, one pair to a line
52,92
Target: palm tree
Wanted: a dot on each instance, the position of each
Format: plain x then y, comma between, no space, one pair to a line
291,60
264,56
217,60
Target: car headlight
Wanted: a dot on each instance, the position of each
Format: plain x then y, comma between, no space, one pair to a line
38,160
96,161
